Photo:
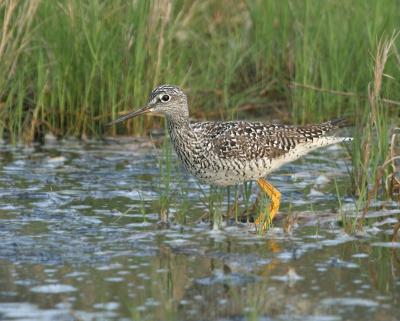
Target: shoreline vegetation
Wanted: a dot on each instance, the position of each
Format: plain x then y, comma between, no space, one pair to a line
70,66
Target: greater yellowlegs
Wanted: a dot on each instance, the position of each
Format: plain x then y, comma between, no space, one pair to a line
231,152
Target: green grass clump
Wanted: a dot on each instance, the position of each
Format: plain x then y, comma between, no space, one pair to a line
375,138
70,66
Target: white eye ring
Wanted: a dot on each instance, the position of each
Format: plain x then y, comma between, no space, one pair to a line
165,98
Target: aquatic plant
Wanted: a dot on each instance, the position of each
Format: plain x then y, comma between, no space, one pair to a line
374,156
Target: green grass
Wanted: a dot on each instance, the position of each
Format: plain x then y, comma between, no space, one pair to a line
70,66
73,65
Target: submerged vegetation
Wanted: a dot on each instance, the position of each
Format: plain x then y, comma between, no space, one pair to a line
69,66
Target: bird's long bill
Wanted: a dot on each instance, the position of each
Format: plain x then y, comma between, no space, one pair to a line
132,114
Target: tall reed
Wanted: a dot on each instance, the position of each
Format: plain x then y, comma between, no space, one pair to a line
70,66
373,151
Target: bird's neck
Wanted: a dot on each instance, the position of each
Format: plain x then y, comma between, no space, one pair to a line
180,130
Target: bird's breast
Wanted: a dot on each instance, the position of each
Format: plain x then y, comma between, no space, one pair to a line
212,169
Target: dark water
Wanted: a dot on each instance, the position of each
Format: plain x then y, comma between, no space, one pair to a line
80,240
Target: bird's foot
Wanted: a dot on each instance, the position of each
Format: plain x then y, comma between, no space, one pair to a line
263,223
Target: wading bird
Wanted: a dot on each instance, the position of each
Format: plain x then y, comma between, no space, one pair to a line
231,152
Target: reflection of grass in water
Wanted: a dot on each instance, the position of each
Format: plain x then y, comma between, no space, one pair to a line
264,296
384,276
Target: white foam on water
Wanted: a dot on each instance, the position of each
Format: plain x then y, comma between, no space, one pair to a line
53,288
360,255
393,245
350,302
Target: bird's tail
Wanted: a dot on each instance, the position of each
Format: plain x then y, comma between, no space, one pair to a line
333,124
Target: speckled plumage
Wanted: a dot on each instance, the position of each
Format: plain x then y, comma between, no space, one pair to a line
228,153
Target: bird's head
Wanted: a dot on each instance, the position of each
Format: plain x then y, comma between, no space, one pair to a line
166,100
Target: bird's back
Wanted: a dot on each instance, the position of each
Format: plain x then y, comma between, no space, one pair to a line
246,141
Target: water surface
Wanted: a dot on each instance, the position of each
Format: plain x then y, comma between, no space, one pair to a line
80,239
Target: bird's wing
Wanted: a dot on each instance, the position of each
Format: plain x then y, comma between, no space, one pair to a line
253,140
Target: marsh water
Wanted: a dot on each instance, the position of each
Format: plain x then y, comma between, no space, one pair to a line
81,239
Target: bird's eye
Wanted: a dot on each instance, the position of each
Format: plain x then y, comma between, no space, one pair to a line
165,98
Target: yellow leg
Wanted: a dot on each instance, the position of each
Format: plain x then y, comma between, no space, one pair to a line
275,197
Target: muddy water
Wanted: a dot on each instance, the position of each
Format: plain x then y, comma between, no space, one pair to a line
80,240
